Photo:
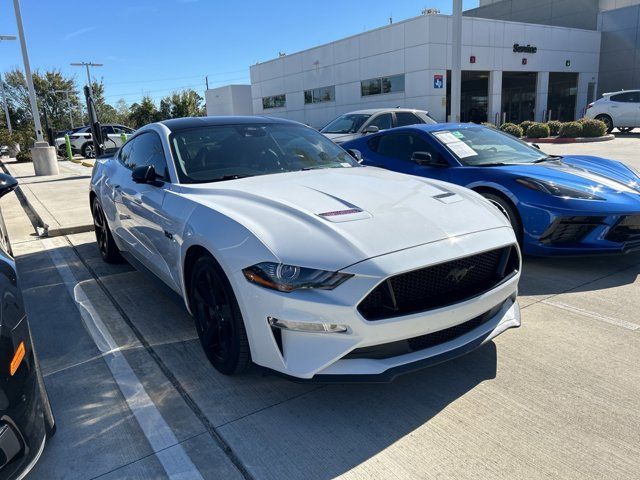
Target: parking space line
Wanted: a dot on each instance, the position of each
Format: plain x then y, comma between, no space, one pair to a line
175,461
597,316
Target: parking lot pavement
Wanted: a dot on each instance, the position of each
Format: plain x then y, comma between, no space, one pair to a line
624,148
135,397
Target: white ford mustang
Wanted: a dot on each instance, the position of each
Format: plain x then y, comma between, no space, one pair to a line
290,254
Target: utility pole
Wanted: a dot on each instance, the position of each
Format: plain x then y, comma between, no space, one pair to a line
87,65
206,80
66,94
44,155
456,61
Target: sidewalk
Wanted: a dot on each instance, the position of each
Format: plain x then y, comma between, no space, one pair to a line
60,203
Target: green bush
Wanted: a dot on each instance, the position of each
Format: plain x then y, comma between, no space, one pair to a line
554,127
525,127
593,128
24,156
511,129
571,130
538,130
488,124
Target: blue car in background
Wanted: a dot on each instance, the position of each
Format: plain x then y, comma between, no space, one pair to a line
557,205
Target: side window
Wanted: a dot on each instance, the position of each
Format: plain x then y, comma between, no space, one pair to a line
143,150
383,122
406,118
402,145
107,130
627,97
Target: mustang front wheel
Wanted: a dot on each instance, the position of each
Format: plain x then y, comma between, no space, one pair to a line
217,316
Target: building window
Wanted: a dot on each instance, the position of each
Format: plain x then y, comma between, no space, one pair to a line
377,86
319,95
275,101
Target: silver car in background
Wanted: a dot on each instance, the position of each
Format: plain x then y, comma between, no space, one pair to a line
362,122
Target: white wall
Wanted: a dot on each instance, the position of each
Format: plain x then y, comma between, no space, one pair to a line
229,100
420,48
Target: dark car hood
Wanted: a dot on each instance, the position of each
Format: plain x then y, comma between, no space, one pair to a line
597,175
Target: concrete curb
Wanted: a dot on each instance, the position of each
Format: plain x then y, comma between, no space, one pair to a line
605,138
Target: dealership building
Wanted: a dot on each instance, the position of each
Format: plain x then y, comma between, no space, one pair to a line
521,60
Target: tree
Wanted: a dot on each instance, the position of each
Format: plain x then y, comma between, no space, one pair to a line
50,90
143,113
186,103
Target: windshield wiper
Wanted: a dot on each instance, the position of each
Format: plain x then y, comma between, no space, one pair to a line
548,158
230,177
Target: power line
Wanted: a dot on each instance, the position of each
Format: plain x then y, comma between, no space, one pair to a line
145,92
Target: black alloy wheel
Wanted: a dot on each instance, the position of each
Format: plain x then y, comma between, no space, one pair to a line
217,317
106,245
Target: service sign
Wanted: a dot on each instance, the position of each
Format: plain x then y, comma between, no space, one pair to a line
517,48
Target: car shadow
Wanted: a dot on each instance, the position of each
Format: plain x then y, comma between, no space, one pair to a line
551,276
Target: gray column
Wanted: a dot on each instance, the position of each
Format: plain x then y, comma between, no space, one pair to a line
542,95
494,109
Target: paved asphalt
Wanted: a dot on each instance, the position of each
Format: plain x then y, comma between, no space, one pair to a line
135,397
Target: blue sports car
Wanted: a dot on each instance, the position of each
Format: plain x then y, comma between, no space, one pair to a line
557,205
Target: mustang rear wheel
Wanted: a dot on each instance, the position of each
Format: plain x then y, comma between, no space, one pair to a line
217,316
106,244
508,210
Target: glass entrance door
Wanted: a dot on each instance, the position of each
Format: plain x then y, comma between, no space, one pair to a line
519,96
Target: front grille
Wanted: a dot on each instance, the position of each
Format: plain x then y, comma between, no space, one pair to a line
439,285
401,347
625,230
567,230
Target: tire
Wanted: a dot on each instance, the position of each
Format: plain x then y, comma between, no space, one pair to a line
608,121
62,151
106,244
217,317
88,150
509,211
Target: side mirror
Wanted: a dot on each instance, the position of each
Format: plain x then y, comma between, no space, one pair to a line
535,145
357,156
144,174
426,159
7,184
370,129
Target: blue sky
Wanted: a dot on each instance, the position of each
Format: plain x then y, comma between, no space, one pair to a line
156,46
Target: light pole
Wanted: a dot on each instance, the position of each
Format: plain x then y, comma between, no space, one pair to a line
456,61
66,94
27,73
43,155
87,65
4,97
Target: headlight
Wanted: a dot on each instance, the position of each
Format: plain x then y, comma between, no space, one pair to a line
286,278
556,190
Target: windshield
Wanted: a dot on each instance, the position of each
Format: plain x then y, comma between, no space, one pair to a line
227,152
482,146
349,123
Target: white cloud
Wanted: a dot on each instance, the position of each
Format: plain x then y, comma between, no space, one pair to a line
82,31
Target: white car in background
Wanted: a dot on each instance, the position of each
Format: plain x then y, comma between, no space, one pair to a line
82,141
352,125
290,254
619,110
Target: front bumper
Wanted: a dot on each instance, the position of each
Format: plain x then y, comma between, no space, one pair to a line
321,356
551,232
